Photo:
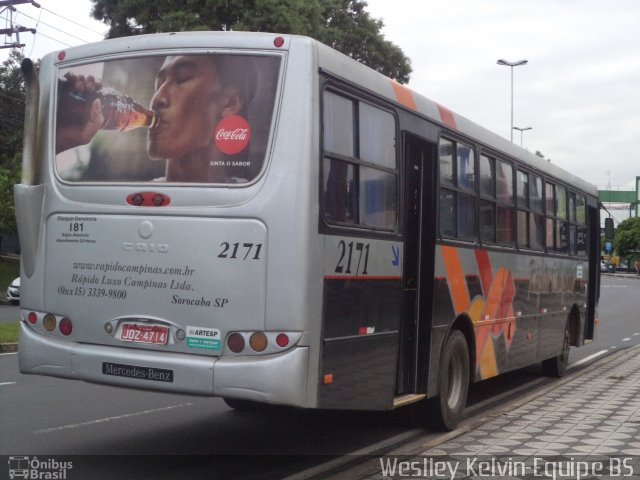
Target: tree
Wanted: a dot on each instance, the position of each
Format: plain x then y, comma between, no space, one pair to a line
341,24
627,238
8,178
351,30
11,126
12,97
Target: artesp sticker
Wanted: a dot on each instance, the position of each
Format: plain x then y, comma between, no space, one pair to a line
202,337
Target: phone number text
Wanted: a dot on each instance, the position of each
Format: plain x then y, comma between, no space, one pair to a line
93,292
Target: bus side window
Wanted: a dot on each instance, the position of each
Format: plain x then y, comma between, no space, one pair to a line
496,201
339,191
457,193
522,192
550,211
487,178
504,209
577,224
562,227
536,216
359,165
445,152
531,221
466,208
378,186
581,219
338,139
338,121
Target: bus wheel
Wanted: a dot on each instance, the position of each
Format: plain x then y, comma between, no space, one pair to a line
557,366
445,411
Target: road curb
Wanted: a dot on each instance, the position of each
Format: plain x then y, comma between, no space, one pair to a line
634,276
8,347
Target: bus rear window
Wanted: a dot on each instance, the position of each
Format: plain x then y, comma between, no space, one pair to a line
196,118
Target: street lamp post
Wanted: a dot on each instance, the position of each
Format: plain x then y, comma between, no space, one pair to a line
511,65
524,129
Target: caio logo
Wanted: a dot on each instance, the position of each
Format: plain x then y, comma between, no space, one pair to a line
232,134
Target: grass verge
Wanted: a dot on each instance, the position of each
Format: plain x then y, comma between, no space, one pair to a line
9,332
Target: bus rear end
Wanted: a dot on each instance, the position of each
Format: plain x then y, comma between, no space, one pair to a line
148,219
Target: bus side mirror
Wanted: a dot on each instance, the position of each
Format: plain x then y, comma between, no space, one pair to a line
608,228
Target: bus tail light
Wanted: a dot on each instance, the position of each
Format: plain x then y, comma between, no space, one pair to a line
260,342
235,342
65,327
282,340
49,322
148,199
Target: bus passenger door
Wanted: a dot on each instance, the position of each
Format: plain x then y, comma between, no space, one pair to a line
594,271
417,284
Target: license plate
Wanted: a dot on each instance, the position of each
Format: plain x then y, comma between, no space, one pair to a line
133,332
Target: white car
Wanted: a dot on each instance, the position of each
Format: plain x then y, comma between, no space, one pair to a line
13,292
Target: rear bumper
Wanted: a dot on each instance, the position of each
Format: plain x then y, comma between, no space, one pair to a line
279,378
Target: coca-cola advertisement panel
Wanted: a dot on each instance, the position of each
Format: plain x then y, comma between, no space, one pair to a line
192,118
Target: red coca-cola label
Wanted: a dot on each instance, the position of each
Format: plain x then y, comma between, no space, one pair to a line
232,134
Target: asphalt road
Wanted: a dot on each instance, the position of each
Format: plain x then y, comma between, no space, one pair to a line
9,313
48,416
619,317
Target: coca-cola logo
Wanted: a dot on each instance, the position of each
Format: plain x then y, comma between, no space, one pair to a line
232,134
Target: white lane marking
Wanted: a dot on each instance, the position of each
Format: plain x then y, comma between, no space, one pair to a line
626,339
7,383
111,419
8,353
587,359
636,334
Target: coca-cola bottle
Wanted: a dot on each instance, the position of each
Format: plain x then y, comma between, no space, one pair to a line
122,112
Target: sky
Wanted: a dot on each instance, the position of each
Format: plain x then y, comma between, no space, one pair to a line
58,24
579,91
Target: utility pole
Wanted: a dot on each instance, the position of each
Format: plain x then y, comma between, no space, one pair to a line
9,3
511,65
14,29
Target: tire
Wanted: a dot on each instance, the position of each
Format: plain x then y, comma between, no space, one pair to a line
557,366
242,405
445,411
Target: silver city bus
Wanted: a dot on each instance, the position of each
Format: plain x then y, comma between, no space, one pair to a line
261,218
